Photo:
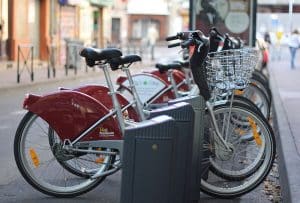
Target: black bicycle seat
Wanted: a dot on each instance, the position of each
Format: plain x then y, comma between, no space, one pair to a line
164,67
116,62
184,64
92,55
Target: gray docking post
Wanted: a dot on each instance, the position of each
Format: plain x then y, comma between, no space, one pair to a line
198,104
148,158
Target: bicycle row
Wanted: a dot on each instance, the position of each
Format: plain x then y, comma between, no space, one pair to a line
70,140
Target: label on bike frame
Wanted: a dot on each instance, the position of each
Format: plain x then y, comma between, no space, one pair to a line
146,86
103,132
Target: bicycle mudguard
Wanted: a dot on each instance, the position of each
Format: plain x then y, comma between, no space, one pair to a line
101,94
69,113
178,77
149,86
120,80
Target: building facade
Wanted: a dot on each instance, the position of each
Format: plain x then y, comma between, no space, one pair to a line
141,18
97,23
3,28
42,23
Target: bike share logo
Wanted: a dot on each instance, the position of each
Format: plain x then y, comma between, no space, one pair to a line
103,132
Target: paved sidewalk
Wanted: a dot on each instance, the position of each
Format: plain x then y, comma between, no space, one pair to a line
8,76
8,70
285,85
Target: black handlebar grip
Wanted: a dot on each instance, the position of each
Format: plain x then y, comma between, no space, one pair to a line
174,45
170,38
187,43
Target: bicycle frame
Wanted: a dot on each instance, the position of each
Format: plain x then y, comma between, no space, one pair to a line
177,85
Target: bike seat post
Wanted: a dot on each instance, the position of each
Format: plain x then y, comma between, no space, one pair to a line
136,97
113,95
173,83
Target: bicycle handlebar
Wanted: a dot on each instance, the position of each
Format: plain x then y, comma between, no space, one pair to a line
197,58
174,45
170,38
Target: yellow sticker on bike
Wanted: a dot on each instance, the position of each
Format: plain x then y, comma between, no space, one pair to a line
256,135
238,92
34,157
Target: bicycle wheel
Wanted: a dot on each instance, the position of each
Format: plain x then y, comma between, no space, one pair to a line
256,73
40,163
259,98
256,80
247,102
233,174
81,161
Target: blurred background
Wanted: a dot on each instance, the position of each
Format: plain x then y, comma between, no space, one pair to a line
47,24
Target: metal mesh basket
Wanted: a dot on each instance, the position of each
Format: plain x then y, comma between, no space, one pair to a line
230,69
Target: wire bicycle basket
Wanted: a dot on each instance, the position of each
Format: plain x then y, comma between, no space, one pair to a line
230,69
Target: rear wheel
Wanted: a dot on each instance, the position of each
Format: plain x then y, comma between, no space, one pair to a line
40,162
80,161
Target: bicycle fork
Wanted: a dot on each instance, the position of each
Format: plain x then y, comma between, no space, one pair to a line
215,125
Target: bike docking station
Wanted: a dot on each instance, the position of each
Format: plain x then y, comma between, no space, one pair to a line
157,157
198,105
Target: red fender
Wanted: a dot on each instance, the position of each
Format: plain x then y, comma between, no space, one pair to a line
121,79
100,93
178,77
69,113
163,98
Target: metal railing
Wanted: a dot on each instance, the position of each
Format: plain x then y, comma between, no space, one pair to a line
25,56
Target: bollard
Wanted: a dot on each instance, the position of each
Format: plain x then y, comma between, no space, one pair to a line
198,105
183,114
51,60
148,158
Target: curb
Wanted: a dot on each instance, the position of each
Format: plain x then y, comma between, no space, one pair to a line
289,162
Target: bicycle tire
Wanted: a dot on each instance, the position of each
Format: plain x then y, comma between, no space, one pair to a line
24,165
69,166
263,77
265,125
263,85
252,92
257,175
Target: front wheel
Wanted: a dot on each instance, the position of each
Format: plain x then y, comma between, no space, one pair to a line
230,175
40,163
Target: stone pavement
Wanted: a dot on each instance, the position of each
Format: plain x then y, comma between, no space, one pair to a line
285,86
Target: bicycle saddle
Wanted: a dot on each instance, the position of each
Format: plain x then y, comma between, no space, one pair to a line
116,62
164,67
92,55
184,64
